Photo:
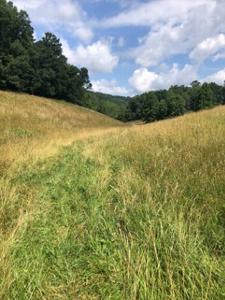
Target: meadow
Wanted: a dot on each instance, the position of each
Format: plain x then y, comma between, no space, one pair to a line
91,208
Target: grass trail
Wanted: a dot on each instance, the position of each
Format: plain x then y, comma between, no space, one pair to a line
33,127
134,214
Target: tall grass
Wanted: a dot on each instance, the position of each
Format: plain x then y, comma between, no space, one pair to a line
135,213
33,127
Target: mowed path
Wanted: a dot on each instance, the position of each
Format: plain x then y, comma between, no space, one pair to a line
123,213
35,131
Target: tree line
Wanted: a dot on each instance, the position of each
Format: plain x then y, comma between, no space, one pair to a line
177,100
113,106
40,68
35,67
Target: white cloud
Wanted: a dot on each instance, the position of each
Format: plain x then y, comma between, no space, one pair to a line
175,27
68,51
28,5
56,14
97,57
195,29
144,80
151,12
158,46
208,47
218,77
220,55
109,87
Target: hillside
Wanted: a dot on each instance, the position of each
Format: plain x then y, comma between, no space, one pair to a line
114,106
134,213
43,125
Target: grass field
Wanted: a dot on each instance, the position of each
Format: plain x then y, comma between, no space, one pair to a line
33,126
93,209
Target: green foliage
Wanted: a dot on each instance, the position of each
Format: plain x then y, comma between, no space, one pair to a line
176,101
35,67
113,106
137,217
16,39
40,68
175,105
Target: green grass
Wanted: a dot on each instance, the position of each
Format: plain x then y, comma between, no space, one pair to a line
134,214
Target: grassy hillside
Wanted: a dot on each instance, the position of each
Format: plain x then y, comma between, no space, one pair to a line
135,213
42,125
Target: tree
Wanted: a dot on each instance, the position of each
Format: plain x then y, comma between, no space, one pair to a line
202,97
54,76
217,93
36,67
49,64
162,109
195,84
150,108
176,105
16,36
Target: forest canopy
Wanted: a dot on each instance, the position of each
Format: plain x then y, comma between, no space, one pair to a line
177,100
35,67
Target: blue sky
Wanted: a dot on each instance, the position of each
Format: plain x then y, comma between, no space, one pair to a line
133,46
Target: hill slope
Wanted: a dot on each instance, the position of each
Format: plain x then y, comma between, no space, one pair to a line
44,124
114,106
137,214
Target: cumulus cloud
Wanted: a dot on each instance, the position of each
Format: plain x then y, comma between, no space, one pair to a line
144,80
175,27
109,87
55,14
159,45
218,77
97,57
150,12
208,47
193,29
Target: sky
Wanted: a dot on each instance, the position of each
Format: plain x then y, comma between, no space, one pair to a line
134,46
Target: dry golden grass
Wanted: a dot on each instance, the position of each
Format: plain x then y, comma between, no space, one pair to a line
168,182
132,212
33,127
